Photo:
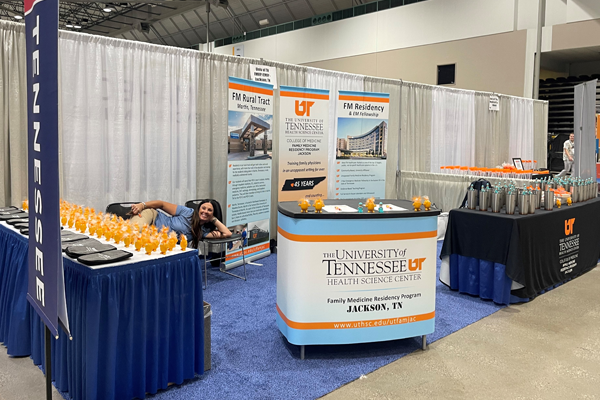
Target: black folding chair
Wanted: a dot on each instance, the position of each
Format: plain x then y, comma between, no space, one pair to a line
222,243
121,209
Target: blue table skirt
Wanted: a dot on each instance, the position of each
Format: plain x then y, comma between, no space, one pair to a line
482,278
135,328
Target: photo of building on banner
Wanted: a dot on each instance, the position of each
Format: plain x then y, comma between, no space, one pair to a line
249,148
304,116
361,150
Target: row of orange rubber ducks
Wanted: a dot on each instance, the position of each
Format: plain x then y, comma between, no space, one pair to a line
113,228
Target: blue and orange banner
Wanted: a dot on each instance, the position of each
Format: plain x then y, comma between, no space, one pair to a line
303,143
250,149
361,144
46,281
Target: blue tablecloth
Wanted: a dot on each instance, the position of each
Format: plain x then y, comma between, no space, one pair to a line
136,328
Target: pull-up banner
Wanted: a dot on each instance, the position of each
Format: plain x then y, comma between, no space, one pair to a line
250,148
361,151
304,116
46,282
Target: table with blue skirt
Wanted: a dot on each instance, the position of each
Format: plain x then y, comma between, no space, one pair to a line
136,327
514,258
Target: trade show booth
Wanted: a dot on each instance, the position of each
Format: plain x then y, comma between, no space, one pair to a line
140,121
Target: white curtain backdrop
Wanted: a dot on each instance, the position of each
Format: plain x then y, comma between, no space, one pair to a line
140,121
521,134
540,127
13,114
415,147
452,128
128,120
333,81
394,88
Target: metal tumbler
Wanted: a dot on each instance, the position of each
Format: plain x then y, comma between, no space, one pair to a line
532,201
484,200
511,203
496,201
575,193
472,196
548,200
523,203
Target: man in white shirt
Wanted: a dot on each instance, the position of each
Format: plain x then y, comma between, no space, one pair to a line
568,154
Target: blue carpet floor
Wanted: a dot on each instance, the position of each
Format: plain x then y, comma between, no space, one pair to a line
252,360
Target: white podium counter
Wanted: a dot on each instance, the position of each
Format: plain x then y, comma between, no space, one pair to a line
350,277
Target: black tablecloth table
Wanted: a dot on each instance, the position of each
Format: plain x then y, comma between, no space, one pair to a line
538,251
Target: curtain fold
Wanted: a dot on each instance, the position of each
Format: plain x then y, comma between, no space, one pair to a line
13,114
415,146
521,134
452,128
394,88
128,121
491,140
333,81
540,133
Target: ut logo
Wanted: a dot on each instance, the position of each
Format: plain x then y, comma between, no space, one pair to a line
415,264
569,226
303,108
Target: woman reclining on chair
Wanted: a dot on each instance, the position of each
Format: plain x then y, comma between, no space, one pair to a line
182,220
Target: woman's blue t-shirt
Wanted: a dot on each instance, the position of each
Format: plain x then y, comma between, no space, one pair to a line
179,223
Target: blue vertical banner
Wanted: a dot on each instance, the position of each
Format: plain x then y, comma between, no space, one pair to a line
46,282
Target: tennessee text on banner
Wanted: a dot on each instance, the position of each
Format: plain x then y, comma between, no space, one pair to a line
355,280
45,289
304,115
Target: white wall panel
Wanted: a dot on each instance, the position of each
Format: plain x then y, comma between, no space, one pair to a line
437,21
528,13
582,10
556,11
422,23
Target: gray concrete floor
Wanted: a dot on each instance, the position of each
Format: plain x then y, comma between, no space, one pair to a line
546,349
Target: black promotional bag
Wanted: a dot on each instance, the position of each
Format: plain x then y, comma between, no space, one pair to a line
10,211
9,208
74,237
477,185
20,214
78,251
83,242
17,221
105,257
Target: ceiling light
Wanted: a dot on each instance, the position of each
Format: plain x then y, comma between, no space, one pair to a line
77,26
69,25
107,9
263,22
18,17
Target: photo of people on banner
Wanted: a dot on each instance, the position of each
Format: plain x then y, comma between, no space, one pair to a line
361,146
249,154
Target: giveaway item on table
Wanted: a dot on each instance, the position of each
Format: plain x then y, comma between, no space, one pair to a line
392,207
78,251
21,226
20,214
83,242
18,221
339,208
72,237
9,208
24,231
9,212
106,257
